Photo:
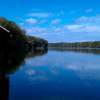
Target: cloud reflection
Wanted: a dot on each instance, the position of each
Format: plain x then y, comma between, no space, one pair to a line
53,65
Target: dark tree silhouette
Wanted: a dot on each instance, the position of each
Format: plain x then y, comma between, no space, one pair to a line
11,35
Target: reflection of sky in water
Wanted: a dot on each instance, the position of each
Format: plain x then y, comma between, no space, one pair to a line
67,74
84,65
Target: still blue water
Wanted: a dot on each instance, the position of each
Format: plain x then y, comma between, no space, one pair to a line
57,75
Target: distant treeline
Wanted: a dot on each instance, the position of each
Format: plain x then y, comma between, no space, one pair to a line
90,44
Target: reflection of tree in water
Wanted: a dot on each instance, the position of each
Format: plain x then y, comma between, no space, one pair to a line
13,42
4,88
9,63
93,51
34,53
81,50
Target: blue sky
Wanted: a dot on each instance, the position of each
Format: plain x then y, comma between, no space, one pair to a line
55,20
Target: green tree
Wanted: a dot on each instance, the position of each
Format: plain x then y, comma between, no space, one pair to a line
18,38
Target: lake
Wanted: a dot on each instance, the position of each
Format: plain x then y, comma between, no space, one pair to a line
56,75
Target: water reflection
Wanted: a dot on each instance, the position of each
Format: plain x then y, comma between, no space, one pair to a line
9,63
4,88
35,53
82,50
63,75
54,76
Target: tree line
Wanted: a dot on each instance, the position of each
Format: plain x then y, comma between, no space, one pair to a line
90,44
17,38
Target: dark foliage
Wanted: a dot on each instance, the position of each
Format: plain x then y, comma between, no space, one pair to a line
14,39
85,45
37,43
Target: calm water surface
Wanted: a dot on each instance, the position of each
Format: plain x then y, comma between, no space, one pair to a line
57,75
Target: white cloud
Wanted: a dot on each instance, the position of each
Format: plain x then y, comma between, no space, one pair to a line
40,14
66,33
92,28
85,24
73,27
37,30
89,10
31,21
92,20
55,21
83,28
